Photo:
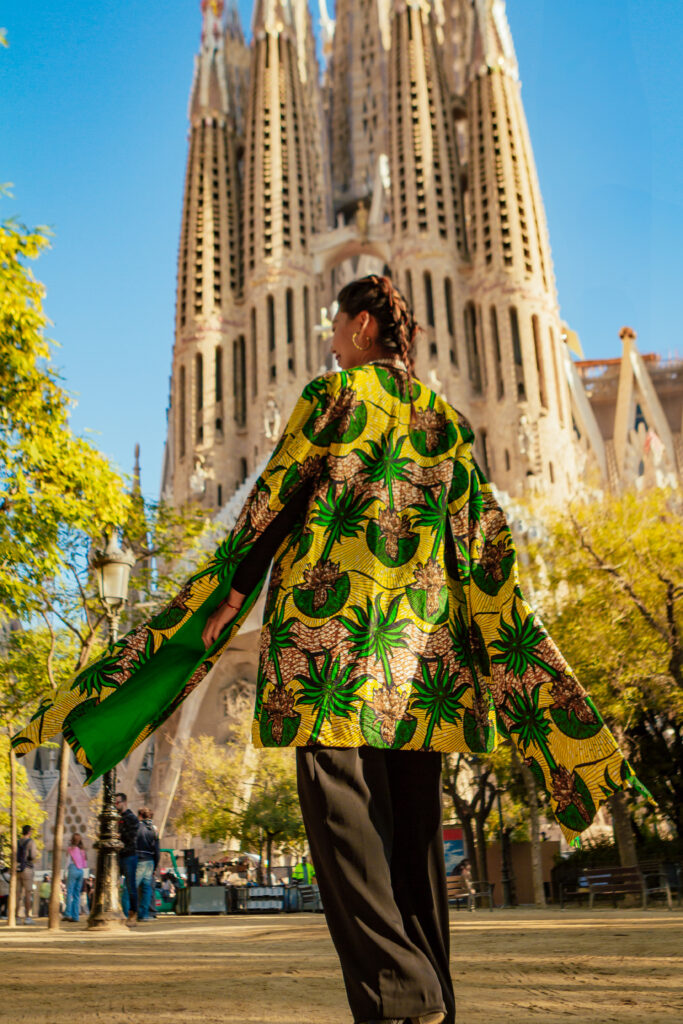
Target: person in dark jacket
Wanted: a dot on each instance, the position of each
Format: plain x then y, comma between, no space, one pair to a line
128,857
147,847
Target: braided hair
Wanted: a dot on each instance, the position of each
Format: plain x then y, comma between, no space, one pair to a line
397,325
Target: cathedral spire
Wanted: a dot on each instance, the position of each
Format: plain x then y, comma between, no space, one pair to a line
492,45
272,16
209,94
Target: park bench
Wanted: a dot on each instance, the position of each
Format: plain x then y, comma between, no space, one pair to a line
459,893
615,882
662,878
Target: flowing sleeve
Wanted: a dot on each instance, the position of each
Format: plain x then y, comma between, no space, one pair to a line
525,689
118,700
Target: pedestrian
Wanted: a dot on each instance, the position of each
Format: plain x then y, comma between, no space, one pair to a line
394,629
4,888
465,872
128,857
147,848
44,897
77,862
27,855
303,872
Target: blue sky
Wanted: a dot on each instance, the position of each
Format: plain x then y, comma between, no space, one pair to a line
93,105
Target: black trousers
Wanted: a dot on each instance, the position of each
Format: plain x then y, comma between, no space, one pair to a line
373,820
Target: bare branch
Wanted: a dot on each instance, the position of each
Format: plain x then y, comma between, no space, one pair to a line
620,580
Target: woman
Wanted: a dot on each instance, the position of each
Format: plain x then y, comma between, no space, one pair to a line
77,863
394,629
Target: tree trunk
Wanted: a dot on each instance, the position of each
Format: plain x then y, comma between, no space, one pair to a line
623,834
534,830
470,846
58,841
12,898
269,854
481,848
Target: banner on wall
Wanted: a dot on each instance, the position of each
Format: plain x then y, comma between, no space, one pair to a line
454,847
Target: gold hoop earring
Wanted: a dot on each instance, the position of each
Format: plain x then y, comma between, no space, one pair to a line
361,348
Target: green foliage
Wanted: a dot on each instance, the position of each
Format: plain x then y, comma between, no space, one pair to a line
228,790
29,810
274,805
609,577
50,480
209,790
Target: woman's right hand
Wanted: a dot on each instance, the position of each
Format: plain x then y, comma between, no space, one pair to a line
222,617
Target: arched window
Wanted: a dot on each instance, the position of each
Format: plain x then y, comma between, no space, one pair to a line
409,289
540,366
244,470
429,299
507,460
497,360
199,395
289,298
472,345
307,330
254,354
239,381
182,412
448,296
517,354
551,472
218,373
270,306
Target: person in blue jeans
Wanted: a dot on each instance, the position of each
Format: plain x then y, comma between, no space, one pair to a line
148,860
77,862
128,857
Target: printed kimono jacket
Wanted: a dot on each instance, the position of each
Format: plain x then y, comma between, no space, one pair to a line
393,619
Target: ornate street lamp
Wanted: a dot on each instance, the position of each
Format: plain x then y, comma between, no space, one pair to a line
112,567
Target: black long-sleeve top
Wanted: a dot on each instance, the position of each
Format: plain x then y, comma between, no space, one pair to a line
254,564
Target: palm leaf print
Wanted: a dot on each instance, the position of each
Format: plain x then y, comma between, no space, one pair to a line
340,515
329,690
433,515
376,633
439,697
517,643
279,638
384,462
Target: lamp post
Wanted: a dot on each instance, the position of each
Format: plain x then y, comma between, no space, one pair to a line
112,566
505,868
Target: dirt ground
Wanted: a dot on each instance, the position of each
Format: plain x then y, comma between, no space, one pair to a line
575,966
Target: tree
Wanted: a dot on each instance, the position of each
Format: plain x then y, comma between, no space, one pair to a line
471,786
615,607
274,805
20,687
226,793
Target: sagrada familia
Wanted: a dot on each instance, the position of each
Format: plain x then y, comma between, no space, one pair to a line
407,154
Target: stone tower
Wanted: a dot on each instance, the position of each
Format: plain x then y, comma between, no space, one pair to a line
412,156
210,272
512,333
429,243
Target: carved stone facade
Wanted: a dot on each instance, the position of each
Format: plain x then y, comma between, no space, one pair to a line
409,155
